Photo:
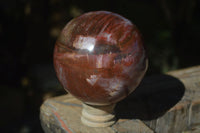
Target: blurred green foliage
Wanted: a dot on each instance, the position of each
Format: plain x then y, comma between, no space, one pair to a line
29,29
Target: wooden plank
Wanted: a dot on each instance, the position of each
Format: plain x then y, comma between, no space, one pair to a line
62,114
162,103
186,113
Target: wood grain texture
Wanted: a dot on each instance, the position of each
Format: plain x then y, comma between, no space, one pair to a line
162,104
99,57
62,114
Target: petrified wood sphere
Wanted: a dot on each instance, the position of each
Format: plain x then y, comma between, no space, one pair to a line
99,57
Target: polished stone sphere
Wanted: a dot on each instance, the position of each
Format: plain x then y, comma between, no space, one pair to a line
99,57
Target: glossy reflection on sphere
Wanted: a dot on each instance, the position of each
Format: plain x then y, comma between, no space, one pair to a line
99,57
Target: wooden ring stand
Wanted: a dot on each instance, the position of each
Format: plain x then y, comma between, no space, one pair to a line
98,116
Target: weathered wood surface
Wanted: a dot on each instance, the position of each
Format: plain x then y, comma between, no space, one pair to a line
162,103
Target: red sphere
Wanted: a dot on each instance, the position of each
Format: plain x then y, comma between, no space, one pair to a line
99,57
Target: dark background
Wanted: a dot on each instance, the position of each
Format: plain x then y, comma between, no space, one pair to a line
29,28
